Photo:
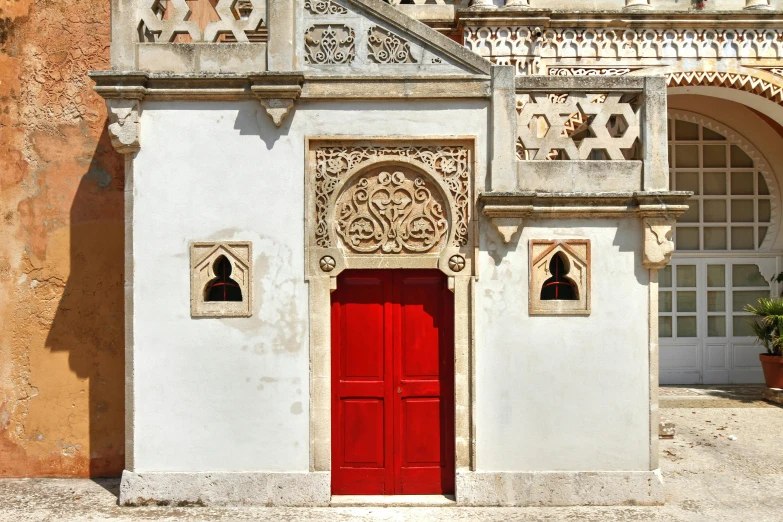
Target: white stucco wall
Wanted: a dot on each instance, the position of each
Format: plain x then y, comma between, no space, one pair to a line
563,393
233,394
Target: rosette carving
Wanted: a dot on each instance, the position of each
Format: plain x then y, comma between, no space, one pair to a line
389,212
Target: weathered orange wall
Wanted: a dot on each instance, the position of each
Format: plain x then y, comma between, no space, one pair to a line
61,245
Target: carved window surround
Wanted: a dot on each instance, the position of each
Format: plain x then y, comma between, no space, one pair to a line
203,258
576,263
388,203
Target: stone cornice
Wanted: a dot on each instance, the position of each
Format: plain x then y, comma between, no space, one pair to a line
583,204
620,18
284,86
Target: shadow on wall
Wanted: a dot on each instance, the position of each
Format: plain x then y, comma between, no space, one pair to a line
89,320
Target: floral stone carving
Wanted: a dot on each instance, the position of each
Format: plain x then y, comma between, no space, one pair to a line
450,164
324,7
386,47
329,45
391,212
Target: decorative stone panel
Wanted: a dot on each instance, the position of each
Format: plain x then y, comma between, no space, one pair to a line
577,125
391,210
367,212
565,289
161,21
386,47
329,45
204,257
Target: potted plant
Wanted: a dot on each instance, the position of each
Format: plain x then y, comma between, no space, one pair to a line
768,327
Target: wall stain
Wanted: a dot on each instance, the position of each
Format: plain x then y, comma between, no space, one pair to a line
61,246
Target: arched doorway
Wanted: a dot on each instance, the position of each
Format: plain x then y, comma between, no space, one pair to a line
723,255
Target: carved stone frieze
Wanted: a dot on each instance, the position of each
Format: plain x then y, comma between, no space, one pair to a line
124,125
393,209
329,44
386,47
324,7
739,81
658,244
590,71
521,44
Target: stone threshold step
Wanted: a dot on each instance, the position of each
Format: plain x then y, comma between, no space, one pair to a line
393,501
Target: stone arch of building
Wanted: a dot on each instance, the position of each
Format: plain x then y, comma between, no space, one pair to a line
759,161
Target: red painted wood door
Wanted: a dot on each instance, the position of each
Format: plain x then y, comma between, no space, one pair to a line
392,383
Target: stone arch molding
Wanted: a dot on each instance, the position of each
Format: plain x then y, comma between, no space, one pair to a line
397,204
759,161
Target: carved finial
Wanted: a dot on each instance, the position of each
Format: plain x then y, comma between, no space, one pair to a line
124,125
658,244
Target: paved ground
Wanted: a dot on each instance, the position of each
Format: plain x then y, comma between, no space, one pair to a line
709,478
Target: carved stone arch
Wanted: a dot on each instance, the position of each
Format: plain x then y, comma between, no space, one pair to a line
442,171
759,161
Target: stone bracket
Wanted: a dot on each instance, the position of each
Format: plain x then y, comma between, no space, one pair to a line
276,93
658,244
124,124
507,220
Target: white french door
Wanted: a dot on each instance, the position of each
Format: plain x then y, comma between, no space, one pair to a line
703,330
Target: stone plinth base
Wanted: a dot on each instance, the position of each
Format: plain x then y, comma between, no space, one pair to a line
264,489
774,395
550,488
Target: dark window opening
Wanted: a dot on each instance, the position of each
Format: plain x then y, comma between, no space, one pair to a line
559,287
222,288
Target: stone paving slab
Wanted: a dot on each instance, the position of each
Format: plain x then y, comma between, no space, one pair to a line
711,396
709,478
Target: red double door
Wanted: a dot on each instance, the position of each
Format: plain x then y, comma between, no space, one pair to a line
392,383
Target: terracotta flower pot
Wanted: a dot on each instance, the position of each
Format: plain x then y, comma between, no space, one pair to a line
773,370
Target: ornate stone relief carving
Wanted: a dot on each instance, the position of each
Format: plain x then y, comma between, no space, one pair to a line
373,207
204,258
547,125
559,277
329,44
391,211
590,71
386,47
161,21
324,7
124,126
658,244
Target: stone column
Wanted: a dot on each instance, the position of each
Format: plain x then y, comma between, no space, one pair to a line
124,130
504,129
482,3
517,3
757,4
637,4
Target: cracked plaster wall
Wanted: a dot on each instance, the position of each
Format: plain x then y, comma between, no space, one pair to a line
61,246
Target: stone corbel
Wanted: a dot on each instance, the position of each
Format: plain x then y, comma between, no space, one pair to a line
276,93
507,219
637,4
658,244
124,124
757,4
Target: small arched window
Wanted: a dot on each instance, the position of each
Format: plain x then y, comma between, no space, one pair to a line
559,287
222,287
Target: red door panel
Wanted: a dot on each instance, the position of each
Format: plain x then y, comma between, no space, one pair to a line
392,383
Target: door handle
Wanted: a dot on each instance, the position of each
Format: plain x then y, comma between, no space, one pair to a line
399,390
